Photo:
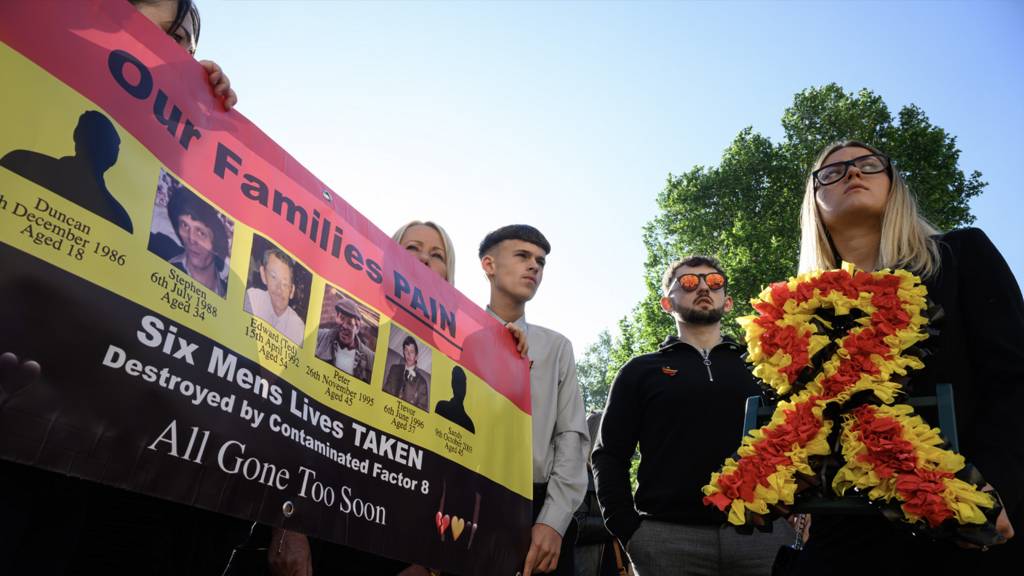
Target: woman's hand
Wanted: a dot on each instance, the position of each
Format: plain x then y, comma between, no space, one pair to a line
801,524
1003,524
220,84
1003,527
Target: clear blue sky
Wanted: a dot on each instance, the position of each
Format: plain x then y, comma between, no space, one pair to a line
570,115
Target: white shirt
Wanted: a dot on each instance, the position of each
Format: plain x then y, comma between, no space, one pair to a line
257,302
560,433
344,358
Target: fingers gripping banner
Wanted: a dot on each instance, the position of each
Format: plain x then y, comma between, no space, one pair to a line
216,327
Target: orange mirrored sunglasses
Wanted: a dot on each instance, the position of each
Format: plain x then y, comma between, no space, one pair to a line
690,282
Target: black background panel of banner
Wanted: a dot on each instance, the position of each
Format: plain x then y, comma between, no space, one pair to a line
130,399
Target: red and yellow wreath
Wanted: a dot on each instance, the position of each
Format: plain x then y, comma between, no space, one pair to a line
840,341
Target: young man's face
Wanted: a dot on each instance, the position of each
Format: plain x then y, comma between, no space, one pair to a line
701,306
409,351
516,268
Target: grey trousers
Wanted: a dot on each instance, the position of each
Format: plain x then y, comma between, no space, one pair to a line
664,549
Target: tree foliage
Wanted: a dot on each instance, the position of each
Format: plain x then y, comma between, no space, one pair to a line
592,373
745,211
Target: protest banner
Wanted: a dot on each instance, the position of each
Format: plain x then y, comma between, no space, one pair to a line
216,327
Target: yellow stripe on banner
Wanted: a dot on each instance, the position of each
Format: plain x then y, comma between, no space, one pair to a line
39,115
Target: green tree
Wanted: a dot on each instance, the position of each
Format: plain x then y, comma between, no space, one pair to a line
592,373
745,211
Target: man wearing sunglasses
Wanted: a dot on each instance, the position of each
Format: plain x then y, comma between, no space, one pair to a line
683,405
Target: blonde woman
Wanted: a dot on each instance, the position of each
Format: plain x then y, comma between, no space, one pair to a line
857,208
429,243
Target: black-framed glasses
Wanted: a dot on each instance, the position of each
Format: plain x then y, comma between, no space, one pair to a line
867,164
713,280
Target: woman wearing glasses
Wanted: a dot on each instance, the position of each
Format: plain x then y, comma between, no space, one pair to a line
857,208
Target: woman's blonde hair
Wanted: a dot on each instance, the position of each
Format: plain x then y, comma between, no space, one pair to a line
449,249
906,236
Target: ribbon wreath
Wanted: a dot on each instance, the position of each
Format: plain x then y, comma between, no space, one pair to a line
836,346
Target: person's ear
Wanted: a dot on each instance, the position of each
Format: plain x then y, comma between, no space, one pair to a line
487,265
263,276
292,293
728,304
666,304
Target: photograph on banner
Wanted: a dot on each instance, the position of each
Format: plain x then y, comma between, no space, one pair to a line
277,289
190,234
80,177
409,366
347,336
454,408
465,417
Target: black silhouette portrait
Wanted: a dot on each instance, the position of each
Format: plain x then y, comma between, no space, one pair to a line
78,178
453,410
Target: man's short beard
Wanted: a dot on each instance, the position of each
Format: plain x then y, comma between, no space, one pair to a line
701,317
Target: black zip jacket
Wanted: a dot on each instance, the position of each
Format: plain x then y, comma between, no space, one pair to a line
685,410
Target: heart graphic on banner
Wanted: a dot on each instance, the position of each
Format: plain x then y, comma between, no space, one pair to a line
458,524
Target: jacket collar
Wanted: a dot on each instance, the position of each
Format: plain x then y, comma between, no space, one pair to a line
673,341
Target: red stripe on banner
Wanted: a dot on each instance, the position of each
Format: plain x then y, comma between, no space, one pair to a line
116,58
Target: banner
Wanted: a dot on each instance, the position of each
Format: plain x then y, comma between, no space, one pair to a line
218,328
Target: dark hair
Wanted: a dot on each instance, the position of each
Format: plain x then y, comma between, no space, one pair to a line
184,202
523,232
186,8
692,262
92,125
458,383
410,341
96,139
